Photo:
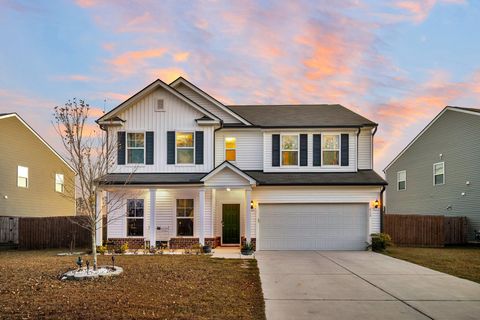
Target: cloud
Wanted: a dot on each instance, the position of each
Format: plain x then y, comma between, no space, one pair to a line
129,62
181,56
73,77
167,74
418,11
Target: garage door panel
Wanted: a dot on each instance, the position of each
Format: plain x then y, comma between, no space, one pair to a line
313,226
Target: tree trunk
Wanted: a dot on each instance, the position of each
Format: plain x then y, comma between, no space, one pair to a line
94,249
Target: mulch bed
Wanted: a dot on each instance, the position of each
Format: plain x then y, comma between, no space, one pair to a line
151,287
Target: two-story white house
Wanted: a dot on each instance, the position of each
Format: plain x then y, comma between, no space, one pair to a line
193,170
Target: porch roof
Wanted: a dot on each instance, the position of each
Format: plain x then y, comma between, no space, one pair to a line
150,178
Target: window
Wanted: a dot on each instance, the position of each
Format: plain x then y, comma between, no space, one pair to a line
438,173
402,180
22,177
184,217
59,183
136,147
331,150
289,150
230,149
185,149
135,218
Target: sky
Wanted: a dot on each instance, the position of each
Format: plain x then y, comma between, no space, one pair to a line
396,62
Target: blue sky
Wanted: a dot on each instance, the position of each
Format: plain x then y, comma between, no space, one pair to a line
397,62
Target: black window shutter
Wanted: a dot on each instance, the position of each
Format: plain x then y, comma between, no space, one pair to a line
317,150
149,146
304,150
344,149
198,147
170,147
275,150
121,147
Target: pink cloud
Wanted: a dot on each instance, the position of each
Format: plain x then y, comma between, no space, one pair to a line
181,56
128,62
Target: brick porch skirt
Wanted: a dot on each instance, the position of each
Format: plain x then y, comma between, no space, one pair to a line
133,243
254,242
174,243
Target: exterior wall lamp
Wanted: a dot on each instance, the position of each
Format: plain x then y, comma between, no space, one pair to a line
251,204
376,204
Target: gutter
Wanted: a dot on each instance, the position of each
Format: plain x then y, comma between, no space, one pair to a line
356,157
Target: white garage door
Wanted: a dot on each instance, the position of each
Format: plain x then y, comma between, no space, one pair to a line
313,226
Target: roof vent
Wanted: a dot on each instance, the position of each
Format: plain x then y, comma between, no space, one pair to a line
160,106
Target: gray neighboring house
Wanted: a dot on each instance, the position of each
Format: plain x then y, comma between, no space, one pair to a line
439,171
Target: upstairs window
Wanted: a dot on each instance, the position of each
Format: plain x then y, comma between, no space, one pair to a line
135,218
289,150
230,149
402,180
59,183
22,177
136,148
185,217
439,173
185,147
331,150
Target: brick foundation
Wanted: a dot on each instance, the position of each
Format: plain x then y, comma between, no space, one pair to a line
254,242
133,243
186,243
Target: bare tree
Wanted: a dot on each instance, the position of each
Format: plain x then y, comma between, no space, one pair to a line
91,156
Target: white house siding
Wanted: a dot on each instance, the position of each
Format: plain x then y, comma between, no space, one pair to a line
374,220
178,116
267,159
365,149
226,178
210,106
249,148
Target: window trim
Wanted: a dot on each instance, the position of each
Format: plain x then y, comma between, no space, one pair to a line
227,149
398,174
443,173
127,217
193,148
281,150
27,177
176,216
62,184
135,148
322,149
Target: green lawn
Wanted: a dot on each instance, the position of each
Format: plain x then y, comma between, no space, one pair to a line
151,287
463,262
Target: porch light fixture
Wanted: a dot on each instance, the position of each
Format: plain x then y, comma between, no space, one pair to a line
251,204
228,189
376,204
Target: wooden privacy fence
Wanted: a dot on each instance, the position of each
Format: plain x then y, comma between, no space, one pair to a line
53,232
425,231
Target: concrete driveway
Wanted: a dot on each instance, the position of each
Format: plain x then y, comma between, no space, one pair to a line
360,285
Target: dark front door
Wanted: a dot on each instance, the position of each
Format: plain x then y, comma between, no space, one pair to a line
231,224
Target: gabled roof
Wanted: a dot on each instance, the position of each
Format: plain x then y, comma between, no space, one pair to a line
230,166
13,114
191,86
471,111
148,89
305,115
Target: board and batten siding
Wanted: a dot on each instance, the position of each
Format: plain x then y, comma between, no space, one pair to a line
226,178
267,159
203,102
249,148
454,138
178,116
365,151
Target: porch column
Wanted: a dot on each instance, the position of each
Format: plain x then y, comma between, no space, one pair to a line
201,209
248,222
153,225
98,217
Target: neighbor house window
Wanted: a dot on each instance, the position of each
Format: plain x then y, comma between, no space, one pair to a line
289,150
59,183
230,149
331,150
22,177
185,148
402,180
439,173
185,217
136,147
135,218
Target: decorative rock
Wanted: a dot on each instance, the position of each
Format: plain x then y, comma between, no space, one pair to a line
82,274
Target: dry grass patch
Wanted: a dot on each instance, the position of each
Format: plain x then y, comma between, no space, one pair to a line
151,287
463,262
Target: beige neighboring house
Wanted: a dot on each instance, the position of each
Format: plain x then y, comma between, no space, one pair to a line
35,181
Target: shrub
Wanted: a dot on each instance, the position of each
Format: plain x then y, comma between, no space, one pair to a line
380,241
102,249
124,247
248,246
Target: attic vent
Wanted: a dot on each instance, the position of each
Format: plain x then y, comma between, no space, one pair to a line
159,107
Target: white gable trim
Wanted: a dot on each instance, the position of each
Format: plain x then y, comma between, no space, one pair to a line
39,137
202,93
230,166
150,88
426,128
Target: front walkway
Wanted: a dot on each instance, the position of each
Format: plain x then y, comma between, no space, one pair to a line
229,253
360,285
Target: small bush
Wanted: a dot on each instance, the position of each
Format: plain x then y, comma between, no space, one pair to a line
102,249
248,246
380,241
124,247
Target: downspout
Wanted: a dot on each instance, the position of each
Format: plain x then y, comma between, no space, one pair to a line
373,135
358,134
214,136
381,208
